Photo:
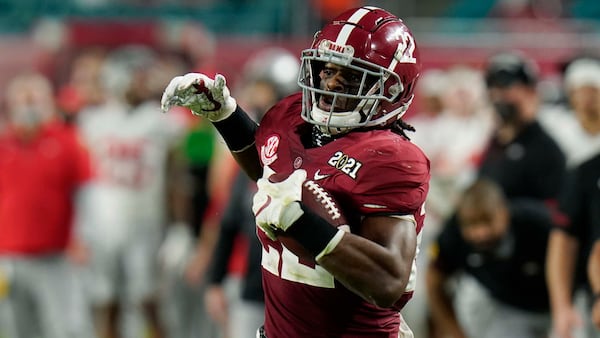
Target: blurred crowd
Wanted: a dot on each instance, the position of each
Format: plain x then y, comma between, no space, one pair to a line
111,210
510,221
119,221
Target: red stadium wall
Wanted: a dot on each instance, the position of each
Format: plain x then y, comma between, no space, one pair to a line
231,52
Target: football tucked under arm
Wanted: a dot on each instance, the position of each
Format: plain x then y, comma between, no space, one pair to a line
299,213
321,210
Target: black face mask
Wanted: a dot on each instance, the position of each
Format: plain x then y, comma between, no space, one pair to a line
508,111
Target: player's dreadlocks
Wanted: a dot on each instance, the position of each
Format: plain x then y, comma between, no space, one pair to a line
318,138
400,127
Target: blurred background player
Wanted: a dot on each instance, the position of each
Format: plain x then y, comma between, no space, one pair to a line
571,246
520,156
193,182
576,127
453,141
82,88
501,245
44,169
234,299
571,243
130,142
454,155
182,256
237,302
430,92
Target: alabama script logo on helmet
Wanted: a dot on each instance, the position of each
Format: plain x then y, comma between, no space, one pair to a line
343,53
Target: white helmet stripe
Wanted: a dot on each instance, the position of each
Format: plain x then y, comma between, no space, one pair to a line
347,29
394,62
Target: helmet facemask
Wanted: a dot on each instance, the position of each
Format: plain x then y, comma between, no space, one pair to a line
377,85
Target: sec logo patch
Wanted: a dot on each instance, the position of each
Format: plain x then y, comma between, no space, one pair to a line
268,151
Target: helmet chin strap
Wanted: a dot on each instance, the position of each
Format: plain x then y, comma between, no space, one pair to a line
334,118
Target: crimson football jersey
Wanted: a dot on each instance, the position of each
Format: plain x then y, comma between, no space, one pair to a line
373,172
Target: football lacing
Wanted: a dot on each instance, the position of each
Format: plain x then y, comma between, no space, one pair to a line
323,197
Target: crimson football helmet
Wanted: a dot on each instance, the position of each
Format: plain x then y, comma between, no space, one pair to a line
380,50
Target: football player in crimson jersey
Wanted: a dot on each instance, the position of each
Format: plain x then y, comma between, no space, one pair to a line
344,132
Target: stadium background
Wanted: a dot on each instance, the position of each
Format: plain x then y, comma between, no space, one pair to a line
44,33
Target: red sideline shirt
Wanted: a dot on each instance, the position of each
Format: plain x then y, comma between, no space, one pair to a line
38,181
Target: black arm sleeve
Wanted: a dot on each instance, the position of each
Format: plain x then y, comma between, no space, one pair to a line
237,130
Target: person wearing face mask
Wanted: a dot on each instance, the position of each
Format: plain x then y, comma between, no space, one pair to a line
500,245
520,156
44,170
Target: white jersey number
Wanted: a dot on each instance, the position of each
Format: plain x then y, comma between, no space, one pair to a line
293,270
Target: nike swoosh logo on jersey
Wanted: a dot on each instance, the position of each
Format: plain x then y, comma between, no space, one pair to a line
319,176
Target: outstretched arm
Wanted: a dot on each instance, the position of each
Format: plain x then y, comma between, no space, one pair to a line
211,99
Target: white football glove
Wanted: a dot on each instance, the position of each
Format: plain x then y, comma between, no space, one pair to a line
176,247
274,203
202,95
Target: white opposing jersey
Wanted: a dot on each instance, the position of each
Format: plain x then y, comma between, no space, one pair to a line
129,148
563,126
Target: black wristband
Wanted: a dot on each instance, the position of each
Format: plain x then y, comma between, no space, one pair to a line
312,231
595,297
237,130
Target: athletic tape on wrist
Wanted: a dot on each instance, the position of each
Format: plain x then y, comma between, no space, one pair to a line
313,232
237,130
331,245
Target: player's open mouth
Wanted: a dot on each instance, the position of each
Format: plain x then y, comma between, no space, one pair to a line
325,102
